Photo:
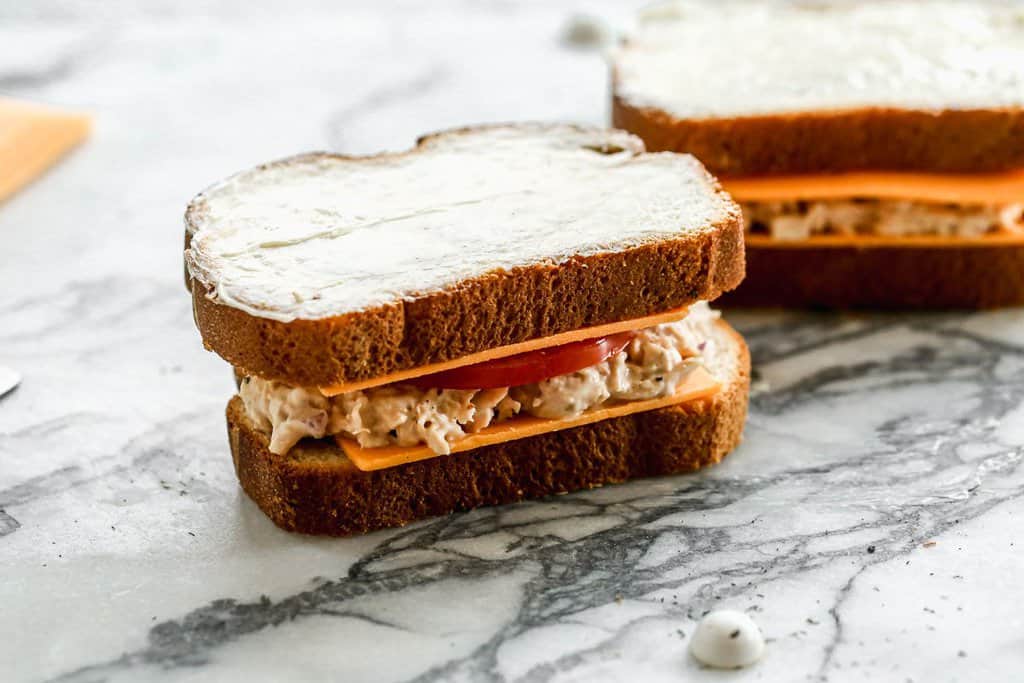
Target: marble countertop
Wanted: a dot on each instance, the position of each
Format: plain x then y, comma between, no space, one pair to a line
870,523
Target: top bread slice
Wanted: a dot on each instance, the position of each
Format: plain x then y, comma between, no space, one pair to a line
754,88
324,269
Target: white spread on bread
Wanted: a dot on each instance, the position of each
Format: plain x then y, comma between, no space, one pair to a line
799,220
320,236
704,60
653,364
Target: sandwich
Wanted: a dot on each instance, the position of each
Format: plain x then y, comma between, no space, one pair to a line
499,313
877,149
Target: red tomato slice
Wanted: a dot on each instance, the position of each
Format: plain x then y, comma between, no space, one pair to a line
529,367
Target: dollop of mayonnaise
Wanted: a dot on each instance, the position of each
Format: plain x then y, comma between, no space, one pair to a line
727,639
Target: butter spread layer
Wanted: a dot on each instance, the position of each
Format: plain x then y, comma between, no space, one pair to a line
723,59
654,364
321,236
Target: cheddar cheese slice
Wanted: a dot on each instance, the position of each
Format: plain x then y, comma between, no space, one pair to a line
1003,238
32,138
511,350
699,384
980,188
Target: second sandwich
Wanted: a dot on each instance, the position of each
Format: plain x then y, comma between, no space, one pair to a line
877,148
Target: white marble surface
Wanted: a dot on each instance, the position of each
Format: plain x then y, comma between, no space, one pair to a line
870,523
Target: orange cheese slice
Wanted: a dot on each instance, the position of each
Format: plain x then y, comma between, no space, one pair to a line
32,138
511,350
699,384
1003,238
979,188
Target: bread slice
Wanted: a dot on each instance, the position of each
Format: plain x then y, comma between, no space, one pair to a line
753,88
324,269
893,277
315,489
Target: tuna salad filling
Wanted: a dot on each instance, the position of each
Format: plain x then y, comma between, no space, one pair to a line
798,220
654,363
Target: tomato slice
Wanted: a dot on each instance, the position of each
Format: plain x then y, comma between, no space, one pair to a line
529,367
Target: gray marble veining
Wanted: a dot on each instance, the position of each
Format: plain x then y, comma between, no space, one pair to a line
869,523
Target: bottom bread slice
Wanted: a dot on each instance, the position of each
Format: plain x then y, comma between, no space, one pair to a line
315,489
969,276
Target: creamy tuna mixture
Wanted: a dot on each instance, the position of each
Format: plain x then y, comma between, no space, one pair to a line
653,364
798,220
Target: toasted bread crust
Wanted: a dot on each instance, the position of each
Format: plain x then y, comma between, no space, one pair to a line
951,141
316,490
882,277
486,312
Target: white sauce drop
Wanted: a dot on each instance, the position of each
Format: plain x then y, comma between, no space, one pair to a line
727,639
